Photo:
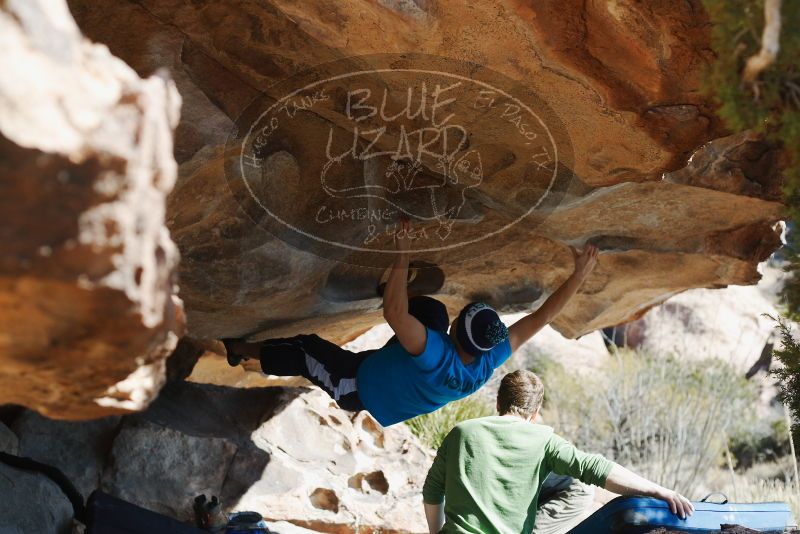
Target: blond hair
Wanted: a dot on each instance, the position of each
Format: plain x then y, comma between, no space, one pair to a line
520,393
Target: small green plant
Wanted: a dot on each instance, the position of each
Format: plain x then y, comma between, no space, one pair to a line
432,428
789,374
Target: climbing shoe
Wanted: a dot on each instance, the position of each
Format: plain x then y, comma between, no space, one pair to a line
208,515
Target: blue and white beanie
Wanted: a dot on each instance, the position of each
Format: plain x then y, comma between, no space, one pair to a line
479,329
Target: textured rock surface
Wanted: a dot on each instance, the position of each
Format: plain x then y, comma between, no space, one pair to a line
730,324
371,480
288,453
163,469
8,440
32,503
632,112
61,443
87,270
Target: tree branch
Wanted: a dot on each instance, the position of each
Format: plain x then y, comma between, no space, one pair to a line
769,42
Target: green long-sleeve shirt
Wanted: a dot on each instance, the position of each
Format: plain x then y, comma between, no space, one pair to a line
489,472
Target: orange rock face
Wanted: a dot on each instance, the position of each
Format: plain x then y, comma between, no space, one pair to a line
618,79
506,132
87,304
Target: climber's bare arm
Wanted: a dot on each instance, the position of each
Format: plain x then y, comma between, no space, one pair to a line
625,482
528,326
410,332
434,513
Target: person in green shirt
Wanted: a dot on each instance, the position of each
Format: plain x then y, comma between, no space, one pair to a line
488,472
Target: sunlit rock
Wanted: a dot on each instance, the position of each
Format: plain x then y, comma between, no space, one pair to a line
87,274
627,114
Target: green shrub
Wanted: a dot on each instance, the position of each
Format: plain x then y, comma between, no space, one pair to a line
767,441
432,428
789,374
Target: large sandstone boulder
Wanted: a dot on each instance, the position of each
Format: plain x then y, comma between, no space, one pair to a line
88,309
627,118
78,448
32,503
371,478
288,453
8,440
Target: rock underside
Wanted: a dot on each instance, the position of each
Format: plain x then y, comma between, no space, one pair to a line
632,114
88,277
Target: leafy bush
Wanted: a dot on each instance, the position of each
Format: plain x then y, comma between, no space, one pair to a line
788,375
432,428
668,419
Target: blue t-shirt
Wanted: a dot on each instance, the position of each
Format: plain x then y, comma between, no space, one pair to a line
395,386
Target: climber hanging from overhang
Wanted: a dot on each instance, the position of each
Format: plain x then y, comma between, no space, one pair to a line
423,367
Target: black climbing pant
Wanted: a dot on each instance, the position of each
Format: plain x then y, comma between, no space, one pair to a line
325,364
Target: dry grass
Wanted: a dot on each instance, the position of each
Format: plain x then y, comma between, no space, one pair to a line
665,418
747,489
